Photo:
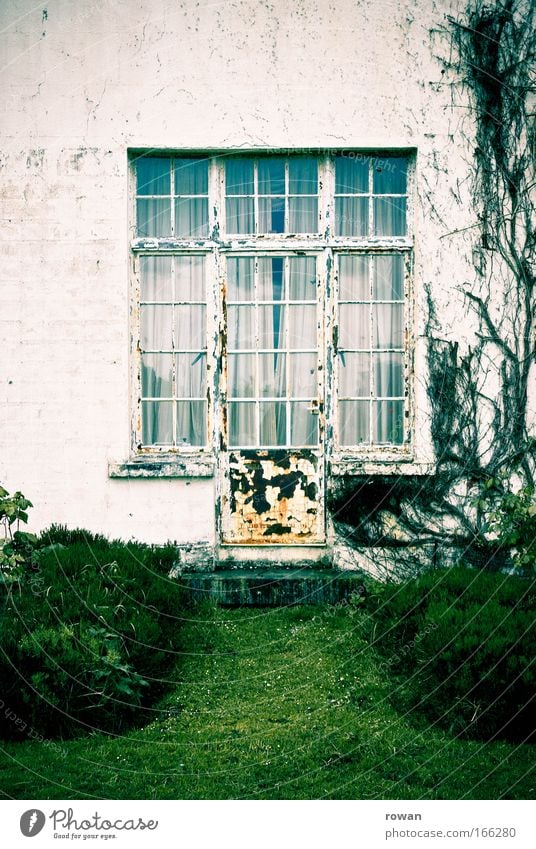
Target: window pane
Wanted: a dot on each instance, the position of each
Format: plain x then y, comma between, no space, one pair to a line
303,375
389,175
354,375
154,218
191,218
354,326
191,423
351,216
271,215
273,423
190,327
303,215
240,217
153,175
156,324
388,374
156,375
351,174
271,282
388,325
239,177
303,176
241,375
242,430
190,278
241,327
155,282
303,424
272,375
157,422
191,176
272,326
390,216
302,282
388,422
190,370
271,176
388,281
354,278
354,422
240,278
302,326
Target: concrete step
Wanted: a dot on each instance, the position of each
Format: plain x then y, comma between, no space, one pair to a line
273,588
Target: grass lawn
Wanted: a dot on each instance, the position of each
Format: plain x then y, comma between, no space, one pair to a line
272,704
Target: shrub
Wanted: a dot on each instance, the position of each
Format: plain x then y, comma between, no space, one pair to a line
87,638
463,645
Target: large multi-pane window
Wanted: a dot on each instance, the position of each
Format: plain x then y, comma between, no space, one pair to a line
298,255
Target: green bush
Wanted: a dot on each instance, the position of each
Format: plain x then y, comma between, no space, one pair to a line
87,635
463,645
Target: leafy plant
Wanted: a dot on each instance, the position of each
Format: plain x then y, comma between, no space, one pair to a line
16,546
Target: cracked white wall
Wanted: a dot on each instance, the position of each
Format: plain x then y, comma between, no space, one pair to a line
85,81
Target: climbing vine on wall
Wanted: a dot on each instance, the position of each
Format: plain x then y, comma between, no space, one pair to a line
479,395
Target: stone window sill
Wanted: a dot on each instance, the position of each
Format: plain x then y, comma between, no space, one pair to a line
195,465
387,464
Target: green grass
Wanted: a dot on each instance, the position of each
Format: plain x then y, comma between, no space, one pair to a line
273,704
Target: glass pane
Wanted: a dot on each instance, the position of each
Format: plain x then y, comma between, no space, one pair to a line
388,280
157,422
302,326
191,218
191,176
390,216
190,370
191,423
156,328
156,375
239,177
240,278
272,375
302,283
241,375
272,326
153,175
388,374
303,375
303,424
388,325
354,326
351,174
389,175
354,375
354,422
388,422
351,216
190,327
303,215
271,215
190,278
353,278
241,327
271,176
242,429
273,423
155,274
154,218
271,282
240,215
303,176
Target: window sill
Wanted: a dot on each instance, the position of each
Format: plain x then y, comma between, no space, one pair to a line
193,465
385,464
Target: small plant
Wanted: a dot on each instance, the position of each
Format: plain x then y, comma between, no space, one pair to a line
16,546
513,522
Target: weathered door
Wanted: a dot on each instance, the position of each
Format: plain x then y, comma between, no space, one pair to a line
272,411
